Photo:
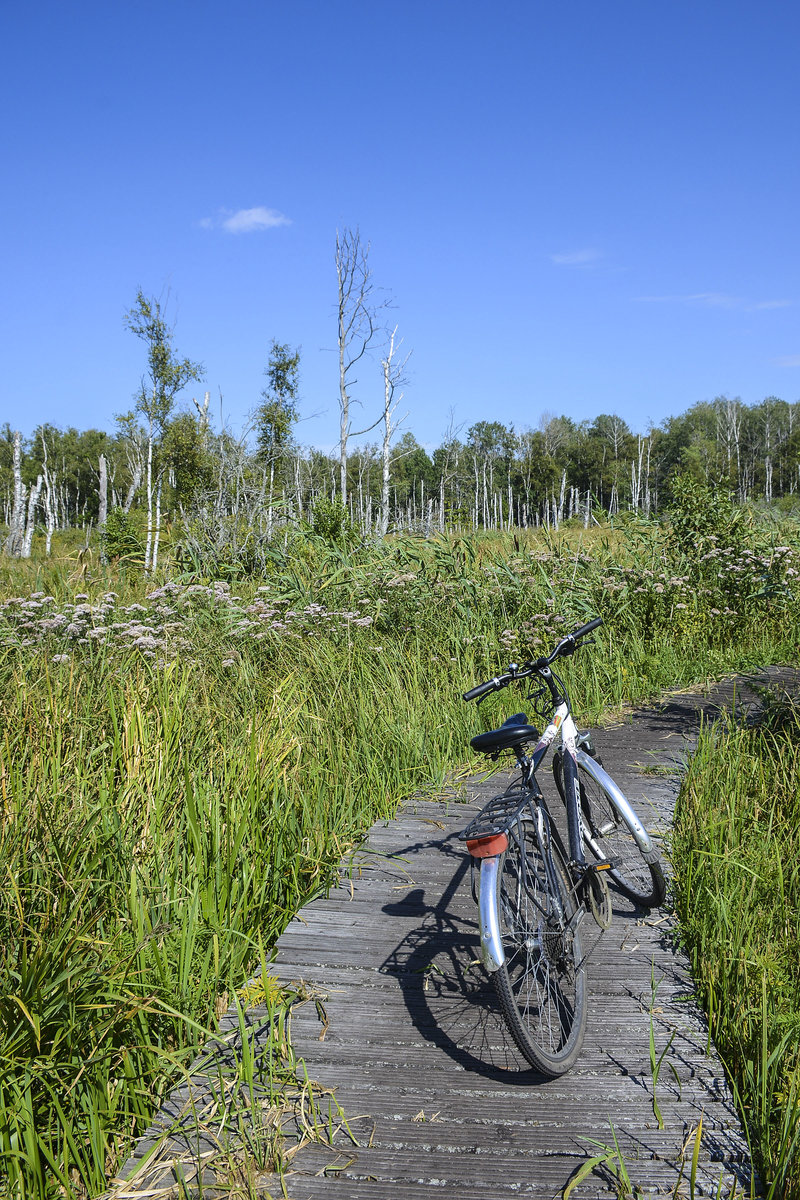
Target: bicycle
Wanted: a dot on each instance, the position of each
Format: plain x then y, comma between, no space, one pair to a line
533,892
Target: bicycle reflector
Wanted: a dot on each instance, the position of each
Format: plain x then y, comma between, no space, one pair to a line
488,847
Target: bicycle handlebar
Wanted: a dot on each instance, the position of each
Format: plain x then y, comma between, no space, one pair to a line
492,685
565,647
589,627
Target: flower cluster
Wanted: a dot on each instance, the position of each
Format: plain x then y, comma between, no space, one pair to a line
539,632
166,624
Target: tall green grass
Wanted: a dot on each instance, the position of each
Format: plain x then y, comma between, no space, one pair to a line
737,858
166,810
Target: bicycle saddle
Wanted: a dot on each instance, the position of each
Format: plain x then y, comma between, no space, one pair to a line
513,732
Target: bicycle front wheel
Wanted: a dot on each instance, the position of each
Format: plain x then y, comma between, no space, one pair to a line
542,984
608,836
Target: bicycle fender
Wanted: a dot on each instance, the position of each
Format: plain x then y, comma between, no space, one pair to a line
622,805
492,953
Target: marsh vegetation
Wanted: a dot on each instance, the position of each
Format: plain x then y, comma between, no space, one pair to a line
185,758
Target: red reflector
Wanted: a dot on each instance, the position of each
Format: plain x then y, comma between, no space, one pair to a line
488,847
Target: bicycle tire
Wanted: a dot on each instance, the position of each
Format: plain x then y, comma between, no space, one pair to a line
541,986
607,835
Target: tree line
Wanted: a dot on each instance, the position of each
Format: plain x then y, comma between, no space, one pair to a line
166,464
491,476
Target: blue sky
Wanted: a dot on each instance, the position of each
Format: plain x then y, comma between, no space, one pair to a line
575,207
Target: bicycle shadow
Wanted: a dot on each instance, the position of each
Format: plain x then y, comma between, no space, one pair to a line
449,998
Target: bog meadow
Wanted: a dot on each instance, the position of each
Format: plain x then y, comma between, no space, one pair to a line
222,659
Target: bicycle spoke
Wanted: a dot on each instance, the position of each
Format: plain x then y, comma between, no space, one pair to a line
541,986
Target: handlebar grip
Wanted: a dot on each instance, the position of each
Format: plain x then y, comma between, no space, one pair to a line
584,629
483,689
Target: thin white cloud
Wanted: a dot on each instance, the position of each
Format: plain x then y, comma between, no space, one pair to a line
787,360
577,258
245,220
250,220
714,300
708,299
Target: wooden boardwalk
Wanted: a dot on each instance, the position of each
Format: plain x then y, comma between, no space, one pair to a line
406,1032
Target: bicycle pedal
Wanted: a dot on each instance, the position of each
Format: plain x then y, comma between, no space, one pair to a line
610,864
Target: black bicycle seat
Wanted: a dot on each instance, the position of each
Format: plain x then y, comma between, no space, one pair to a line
513,732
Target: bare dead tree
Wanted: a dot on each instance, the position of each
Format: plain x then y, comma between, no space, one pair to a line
729,433
16,524
393,377
103,490
49,498
30,525
448,462
357,324
202,410
134,453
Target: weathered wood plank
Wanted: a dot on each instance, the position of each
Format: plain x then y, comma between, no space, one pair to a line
417,1054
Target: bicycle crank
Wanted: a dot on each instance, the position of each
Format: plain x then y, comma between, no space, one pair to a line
596,894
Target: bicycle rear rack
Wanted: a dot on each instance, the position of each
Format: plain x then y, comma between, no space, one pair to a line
500,813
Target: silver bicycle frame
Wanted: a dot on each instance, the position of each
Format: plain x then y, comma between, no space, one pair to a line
562,728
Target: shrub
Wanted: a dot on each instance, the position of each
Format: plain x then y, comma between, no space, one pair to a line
121,538
703,517
331,521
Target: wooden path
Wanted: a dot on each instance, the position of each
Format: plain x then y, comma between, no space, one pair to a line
406,1032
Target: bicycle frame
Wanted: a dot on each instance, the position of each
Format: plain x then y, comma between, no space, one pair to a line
561,731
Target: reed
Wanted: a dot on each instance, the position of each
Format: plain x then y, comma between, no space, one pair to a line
737,856
184,761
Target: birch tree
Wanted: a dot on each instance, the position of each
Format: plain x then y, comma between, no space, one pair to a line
166,376
278,412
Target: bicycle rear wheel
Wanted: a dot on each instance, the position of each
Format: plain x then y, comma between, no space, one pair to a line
608,836
542,984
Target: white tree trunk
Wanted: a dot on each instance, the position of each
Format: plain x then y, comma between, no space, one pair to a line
157,533
50,500
103,506
148,550
16,524
392,378
561,495
33,500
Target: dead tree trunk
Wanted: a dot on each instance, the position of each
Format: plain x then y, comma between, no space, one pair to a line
103,484
50,501
16,524
393,376
357,326
30,525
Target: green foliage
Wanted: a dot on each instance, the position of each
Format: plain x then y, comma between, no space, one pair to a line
186,452
121,538
183,765
278,412
331,522
737,860
167,375
703,517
